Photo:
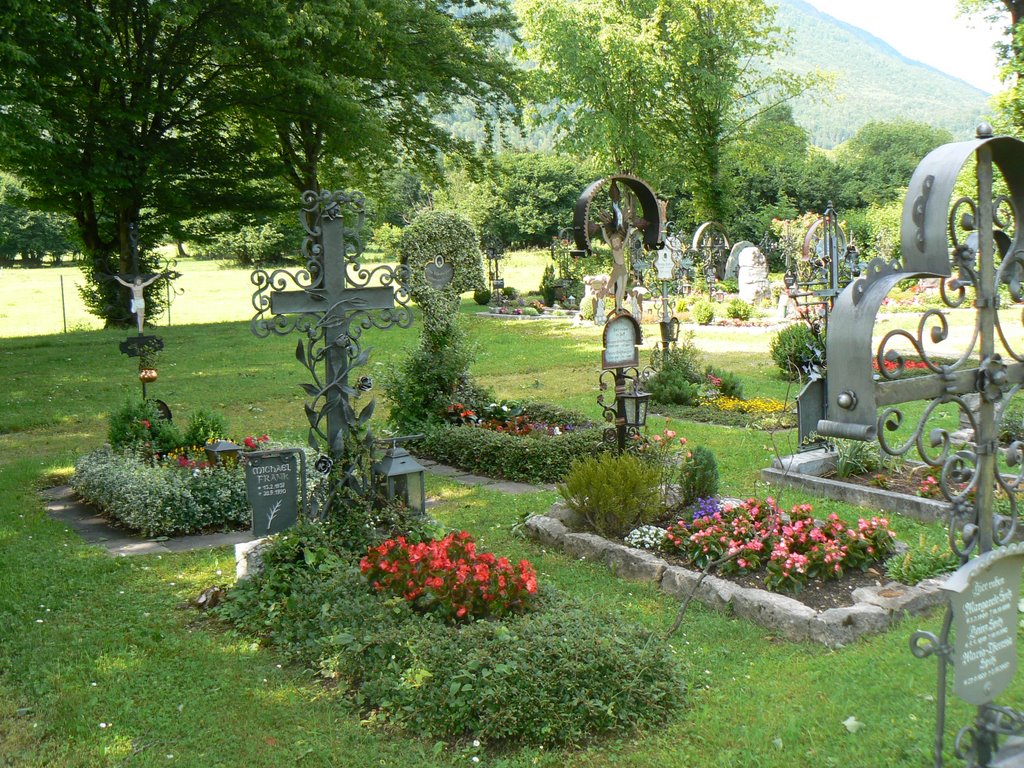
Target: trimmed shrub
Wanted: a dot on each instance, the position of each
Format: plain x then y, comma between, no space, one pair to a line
204,425
702,311
738,309
482,296
613,493
797,350
698,476
532,459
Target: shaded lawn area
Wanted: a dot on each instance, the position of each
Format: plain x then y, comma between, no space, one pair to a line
172,687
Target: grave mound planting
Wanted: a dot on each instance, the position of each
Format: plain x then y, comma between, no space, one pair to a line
528,442
520,665
154,479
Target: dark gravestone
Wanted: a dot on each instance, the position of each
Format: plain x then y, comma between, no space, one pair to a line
272,482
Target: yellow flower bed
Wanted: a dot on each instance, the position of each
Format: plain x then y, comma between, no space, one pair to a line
756,405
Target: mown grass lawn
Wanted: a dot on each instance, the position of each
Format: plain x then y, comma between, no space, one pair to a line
103,663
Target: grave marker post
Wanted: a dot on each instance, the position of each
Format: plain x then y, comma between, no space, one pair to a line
330,303
955,240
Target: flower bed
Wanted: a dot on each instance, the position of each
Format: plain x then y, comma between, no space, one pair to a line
553,674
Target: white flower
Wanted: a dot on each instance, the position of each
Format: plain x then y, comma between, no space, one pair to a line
646,537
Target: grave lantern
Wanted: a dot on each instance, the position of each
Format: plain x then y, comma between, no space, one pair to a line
218,450
402,477
634,406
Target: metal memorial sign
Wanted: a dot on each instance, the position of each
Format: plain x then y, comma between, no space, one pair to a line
974,246
275,485
983,596
622,338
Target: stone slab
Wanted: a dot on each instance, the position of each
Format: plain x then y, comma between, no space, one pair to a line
545,529
634,564
509,486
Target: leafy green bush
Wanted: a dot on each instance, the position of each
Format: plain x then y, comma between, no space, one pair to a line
387,237
729,383
532,459
797,350
678,376
204,425
559,674
139,425
922,562
698,476
588,308
729,285
530,311
702,311
613,493
1011,423
482,296
161,500
738,309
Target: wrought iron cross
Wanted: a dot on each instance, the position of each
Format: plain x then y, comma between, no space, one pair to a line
333,301
979,253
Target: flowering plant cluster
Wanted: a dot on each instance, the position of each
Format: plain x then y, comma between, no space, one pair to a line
646,537
908,365
450,576
929,487
793,548
252,442
461,414
755,405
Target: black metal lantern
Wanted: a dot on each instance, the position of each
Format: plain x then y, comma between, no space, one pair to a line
218,450
402,477
634,407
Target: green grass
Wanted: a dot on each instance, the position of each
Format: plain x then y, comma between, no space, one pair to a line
170,682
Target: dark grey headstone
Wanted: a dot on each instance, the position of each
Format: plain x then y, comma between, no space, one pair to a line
272,484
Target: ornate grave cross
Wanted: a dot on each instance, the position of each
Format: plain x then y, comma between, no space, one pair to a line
333,301
978,253
619,223
711,245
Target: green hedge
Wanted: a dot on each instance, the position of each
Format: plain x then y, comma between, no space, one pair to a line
158,500
559,674
529,459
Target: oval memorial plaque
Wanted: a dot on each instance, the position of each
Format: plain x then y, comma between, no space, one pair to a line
984,601
621,339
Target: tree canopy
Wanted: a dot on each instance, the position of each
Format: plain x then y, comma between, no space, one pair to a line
656,87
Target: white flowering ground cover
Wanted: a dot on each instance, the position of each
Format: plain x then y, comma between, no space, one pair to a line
158,499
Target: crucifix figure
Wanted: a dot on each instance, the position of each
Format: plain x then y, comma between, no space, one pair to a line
137,282
333,301
618,224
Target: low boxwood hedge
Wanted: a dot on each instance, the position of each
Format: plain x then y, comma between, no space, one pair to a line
534,458
161,500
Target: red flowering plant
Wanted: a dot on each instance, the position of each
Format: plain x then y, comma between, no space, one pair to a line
457,413
793,548
450,576
252,443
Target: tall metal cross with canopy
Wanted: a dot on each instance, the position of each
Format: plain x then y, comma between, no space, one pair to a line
976,246
332,301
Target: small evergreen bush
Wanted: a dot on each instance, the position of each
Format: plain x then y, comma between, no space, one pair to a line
702,311
698,476
588,308
738,309
204,425
482,296
797,350
613,493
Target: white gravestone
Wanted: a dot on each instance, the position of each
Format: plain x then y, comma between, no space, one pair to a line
753,275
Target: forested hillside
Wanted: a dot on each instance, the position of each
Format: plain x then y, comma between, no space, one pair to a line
873,81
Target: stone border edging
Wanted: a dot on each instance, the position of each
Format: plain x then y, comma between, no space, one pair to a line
876,608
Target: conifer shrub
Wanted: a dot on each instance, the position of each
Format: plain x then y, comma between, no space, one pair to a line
613,493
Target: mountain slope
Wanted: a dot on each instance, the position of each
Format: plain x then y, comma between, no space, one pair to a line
873,81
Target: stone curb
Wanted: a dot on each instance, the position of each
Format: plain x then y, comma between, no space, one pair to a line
876,610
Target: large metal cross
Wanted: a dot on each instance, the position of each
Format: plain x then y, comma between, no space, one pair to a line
978,252
333,300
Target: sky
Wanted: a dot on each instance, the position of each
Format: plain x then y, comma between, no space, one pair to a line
927,31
